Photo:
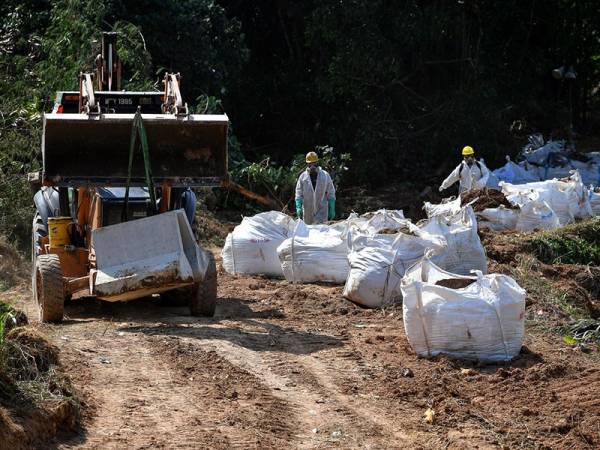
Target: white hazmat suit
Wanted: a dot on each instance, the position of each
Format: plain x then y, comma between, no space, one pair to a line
470,177
315,201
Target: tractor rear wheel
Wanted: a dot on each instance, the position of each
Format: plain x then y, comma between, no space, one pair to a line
38,232
49,288
203,300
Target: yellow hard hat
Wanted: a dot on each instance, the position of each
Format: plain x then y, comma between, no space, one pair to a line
468,151
311,157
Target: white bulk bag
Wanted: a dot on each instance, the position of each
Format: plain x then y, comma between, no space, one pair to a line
499,219
315,253
373,280
594,199
378,263
583,208
383,219
464,251
442,209
537,215
252,246
482,321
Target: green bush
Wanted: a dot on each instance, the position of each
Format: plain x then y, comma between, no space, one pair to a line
279,182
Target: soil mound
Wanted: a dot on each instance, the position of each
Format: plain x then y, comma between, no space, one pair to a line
485,198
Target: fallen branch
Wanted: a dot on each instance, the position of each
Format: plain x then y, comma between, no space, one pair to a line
261,199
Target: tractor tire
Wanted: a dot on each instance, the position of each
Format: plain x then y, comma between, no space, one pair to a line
49,288
203,300
39,230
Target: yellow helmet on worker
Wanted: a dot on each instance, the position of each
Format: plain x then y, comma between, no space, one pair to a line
468,151
311,157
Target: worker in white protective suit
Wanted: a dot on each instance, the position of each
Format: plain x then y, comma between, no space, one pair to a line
315,194
471,173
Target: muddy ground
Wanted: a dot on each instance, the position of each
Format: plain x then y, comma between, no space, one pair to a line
293,366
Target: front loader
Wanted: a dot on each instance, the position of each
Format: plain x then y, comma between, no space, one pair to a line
115,208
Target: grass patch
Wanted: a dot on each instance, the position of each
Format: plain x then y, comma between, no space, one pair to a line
552,306
577,243
543,293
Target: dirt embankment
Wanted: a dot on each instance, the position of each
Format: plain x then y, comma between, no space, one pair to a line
36,398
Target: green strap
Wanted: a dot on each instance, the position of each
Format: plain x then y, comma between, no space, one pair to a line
139,131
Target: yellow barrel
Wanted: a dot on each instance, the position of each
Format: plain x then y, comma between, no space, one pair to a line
58,231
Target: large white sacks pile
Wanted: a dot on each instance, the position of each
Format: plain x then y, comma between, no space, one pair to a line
468,317
381,259
252,246
568,199
543,205
316,253
378,262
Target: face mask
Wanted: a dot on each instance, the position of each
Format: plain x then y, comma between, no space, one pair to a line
469,161
313,169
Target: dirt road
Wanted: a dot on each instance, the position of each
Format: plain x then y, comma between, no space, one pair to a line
292,366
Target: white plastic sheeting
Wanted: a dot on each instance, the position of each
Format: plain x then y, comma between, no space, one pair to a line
516,174
378,263
252,246
315,253
549,161
464,251
482,321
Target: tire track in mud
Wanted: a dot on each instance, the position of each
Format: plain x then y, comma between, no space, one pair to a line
138,403
309,383
235,403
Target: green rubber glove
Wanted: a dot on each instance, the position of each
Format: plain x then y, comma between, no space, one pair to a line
331,208
299,208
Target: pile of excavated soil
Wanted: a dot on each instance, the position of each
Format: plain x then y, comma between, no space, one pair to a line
36,400
485,198
211,230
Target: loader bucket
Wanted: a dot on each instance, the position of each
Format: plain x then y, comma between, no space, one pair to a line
78,149
146,256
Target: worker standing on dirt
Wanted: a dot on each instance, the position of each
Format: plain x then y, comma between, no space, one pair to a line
315,194
471,173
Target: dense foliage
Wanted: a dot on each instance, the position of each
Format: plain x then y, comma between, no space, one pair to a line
403,85
400,86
